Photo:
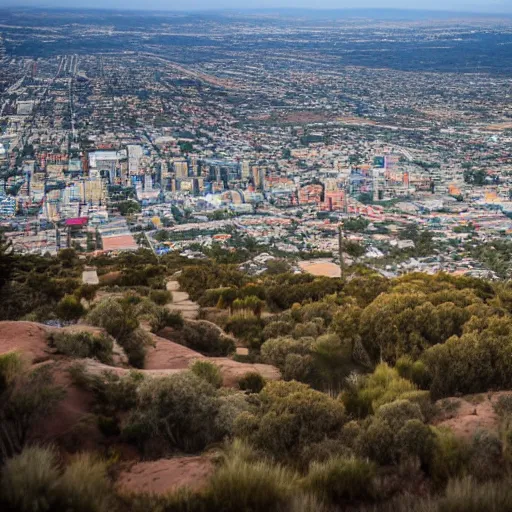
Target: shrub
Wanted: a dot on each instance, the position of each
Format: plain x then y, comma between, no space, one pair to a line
69,308
486,456
84,344
11,366
466,495
207,371
252,486
135,345
113,393
384,385
32,481
206,338
307,503
333,360
450,456
397,413
247,327
162,317
424,401
130,298
415,439
146,309
87,292
378,442
84,486
275,351
415,371
503,405
24,398
292,415
109,426
309,329
461,495
249,303
452,367
160,297
28,480
116,318
277,329
300,368
180,409
324,451
119,319
324,310
220,297
181,500
342,479
251,382
231,405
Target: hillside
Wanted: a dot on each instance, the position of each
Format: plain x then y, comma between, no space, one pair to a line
282,392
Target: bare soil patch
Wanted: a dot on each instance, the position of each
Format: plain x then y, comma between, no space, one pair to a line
165,475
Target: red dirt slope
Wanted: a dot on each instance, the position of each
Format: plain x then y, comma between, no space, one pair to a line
28,338
465,416
169,355
164,475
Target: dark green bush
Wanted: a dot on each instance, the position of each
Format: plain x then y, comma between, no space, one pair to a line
291,416
277,329
69,308
118,319
109,426
179,409
113,393
135,345
206,338
342,479
163,317
84,344
207,371
160,297
251,382
247,327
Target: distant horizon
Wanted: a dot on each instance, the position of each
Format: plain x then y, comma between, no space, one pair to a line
197,7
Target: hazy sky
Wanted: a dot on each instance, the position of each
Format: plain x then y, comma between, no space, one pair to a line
455,5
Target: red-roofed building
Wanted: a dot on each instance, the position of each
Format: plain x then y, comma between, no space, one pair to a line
77,222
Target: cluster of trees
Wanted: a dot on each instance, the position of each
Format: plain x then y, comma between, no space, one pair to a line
476,176
495,255
323,329
128,207
32,286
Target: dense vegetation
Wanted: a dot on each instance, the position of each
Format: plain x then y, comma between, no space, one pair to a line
367,366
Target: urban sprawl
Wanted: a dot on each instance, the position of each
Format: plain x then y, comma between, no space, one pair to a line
108,151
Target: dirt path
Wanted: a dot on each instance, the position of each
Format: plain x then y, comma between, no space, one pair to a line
181,302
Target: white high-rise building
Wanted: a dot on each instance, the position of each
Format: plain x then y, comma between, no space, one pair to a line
135,153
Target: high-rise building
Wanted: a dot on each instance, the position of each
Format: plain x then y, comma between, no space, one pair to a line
181,168
3,51
246,169
258,177
135,154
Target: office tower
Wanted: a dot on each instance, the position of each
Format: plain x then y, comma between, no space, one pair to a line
246,169
3,51
181,169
